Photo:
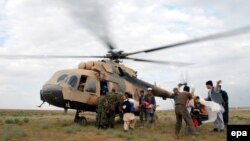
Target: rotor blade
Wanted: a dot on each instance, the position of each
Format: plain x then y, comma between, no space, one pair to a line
109,45
205,38
92,15
45,57
160,62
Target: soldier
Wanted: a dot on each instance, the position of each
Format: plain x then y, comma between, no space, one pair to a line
101,118
112,105
143,113
182,112
119,106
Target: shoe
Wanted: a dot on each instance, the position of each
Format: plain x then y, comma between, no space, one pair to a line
221,130
215,130
196,133
193,137
131,128
125,130
177,137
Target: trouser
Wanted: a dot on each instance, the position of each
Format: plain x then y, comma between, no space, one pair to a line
111,118
219,123
102,119
143,116
129,121
150,113
182,112
225,114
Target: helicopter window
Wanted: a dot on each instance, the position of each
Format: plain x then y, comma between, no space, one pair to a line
90,85
62,78
73,81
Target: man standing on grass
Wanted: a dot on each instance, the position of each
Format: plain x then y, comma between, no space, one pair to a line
182,112
112,104
128,115
215,96
150,105
225,105
143,113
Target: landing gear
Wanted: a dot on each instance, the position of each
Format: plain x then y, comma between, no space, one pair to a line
81,120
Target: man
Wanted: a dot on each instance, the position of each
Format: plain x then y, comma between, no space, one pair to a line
182,112
112,105
143,113
128,115
225,105
175,94
215,96
101,117
150,105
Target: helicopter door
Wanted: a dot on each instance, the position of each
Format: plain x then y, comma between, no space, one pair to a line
90,86
82,83
104,87
91,90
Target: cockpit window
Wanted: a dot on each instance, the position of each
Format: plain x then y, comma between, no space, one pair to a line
90,85
62,78
73,81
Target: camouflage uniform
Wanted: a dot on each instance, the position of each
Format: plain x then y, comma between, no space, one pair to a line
112,105
102,119
119,107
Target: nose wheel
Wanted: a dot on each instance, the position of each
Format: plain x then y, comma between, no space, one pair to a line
81,120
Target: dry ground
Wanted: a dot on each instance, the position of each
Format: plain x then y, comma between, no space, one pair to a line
29,125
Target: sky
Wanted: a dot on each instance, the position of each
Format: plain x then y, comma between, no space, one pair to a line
61,27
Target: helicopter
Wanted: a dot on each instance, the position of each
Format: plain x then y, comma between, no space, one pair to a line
80,88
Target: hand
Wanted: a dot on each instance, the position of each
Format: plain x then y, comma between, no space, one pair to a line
179,85
219,81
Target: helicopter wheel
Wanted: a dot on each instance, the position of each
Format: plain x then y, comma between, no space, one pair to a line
81,121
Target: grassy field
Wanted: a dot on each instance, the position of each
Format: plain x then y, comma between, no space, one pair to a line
29,125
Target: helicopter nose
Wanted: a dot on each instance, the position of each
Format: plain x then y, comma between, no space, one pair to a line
53,95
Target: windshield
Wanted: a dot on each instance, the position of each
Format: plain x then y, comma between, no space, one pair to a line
73,81
62,78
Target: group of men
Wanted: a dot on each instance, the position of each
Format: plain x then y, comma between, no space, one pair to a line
110,104
147,105
215,94
107,107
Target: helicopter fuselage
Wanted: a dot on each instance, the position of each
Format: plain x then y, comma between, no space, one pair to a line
80,88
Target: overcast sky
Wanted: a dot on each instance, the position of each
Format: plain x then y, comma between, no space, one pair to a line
70,28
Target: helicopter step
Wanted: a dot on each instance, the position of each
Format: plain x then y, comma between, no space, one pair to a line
81,120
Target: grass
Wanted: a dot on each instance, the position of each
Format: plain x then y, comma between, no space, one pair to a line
11,132
30,125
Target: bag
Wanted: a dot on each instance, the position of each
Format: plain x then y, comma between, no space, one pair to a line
132,107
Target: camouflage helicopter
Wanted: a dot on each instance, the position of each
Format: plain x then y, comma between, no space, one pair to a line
80,88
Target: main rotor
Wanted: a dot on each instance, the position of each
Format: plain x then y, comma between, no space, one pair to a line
99,28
